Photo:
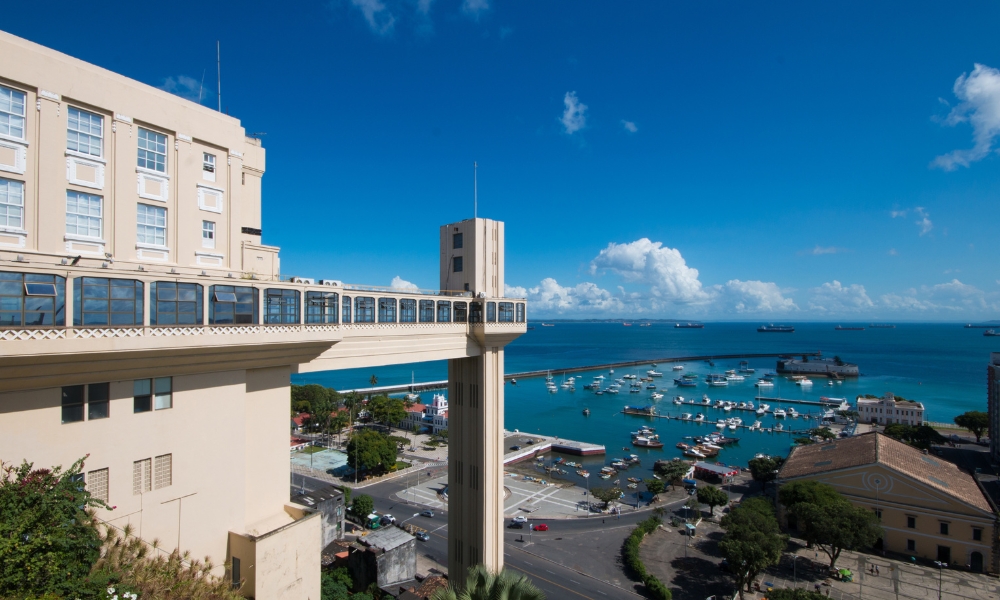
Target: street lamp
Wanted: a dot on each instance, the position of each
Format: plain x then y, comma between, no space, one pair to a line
940,566
587,497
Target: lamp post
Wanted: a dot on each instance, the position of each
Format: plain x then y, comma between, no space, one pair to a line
940,566
587,497
795,574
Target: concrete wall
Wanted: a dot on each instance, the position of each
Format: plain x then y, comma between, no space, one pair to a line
398,564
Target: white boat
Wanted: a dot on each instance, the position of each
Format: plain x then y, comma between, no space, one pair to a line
710,446
693,452
732,427
792,413
678,399
686,416
779,413
761,411
699,417
717,381
764,382
654,373
735,421
756,425
728,406
804,382
749,405
764,407
721,424
612,371
735,377
630,376
548,376
612,390
779,427
657,396
678,367
705,400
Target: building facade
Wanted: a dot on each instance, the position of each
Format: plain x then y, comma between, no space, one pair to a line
928,507
144,325
432,418
889,409
993,403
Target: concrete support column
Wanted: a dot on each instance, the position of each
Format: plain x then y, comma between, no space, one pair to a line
475,463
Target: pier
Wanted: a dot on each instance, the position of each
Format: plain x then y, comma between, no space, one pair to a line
712,423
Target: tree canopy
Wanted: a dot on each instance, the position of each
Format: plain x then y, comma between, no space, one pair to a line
655,486
483,584
753,541
362,505
765,469
795,594
606,494
671,470
712,496
387,411
919,436
813,492
975,421
828,520
369,450
822,432
305,398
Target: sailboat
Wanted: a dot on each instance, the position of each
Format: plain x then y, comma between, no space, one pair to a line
412,397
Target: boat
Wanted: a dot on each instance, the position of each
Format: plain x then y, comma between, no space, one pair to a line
583,473
657,396
772,328
991,333
705,400
634,480
654,373
686,416
643,431
745,367
804,382
548,324
633,486
644,442
842,328
720,424
678,399
764,382
606,476
717,381
699,417
586,412
683,446
651,386
573,465
678,367
694,453
626,324
779,413
881,326
749,406
599,393
685,382
756,425
791,412
728,406
779,427
689,326
735,377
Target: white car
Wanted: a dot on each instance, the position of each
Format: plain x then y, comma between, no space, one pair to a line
520,519
388,519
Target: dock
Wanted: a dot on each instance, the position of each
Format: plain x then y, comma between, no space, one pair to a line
544,443
712,423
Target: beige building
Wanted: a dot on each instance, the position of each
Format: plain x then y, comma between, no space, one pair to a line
889,409
928,507
145,326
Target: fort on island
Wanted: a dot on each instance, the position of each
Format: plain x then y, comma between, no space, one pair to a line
830,367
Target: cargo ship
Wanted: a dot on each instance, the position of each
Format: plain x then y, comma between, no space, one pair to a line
842,328
881,326
775,329
689,325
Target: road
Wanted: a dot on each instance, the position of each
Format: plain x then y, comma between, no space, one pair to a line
559,571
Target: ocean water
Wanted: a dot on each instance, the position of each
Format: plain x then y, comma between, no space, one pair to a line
941,365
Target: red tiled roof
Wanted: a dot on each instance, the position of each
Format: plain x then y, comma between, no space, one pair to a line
300,418
298,441
417,407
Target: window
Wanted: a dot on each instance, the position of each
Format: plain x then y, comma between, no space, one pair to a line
456,241
426,311
97,484
281,306
85,132
457,264
30,300
321,307
911,545
364,310
83,214
944,529
506,312
152,394
98,401
878,513
977,534
520,312
163,471
102,301
12,112
444,311
347,310
208,166
207,234
386,310
142,476
11,204
461,312
72,403
152,150
475,312
491,312
151,225
407,311
229,304
173,303
911,522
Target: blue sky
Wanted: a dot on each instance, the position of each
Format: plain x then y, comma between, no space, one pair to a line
721,160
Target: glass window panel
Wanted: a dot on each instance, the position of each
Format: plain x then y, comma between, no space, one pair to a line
347,310
38,304
40,289
457,261
456,241
387,310
84,132
72,403
225,297
491,312
163,385
443,311
364,310
8,303
407,311
152,150
461,312
11,204
426,311
151,225
12,112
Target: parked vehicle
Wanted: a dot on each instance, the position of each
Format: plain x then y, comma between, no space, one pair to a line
515,525
541,527
427,513
520,519
422,536
388,519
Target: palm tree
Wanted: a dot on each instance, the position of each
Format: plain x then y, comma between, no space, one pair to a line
483,584
374,382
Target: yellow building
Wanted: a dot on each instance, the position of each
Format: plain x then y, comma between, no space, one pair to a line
143,324
928,507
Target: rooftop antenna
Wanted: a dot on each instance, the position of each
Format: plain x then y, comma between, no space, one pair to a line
218,66
475,190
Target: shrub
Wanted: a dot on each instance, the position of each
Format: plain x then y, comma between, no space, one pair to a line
630,555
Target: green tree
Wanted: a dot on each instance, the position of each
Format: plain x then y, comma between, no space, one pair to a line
712,496
338,421
374,381
606,494
822,432
753,541
655,486
333,587
483,584
837,527
362,505
765,469
304,396
692,503
795,594
48,542
671,470
804,441
920,436
369,450
387,411
975,421
812,492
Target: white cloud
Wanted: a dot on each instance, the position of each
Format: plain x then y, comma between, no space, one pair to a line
650,263
586,298
751,297
979,93
950,298
833,298
573,117
380,19
186,87
629,126
474,8
398,283
893,252
825,250
898,213
512,291
924,223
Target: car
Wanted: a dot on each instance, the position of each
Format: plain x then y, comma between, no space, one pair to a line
515,447
520,519
515,525
427,513
388,519
541,527
530,442
423,536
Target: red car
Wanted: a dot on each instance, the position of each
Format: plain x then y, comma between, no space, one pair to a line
541,527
